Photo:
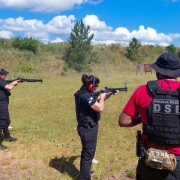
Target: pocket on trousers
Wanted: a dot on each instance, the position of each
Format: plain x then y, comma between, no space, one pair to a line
89,139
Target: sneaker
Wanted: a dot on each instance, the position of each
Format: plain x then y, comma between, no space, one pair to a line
2,147
91,173
10,139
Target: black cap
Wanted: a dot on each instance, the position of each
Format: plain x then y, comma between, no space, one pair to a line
168,64
3,71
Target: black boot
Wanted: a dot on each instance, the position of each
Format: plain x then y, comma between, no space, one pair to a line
1,145
10,139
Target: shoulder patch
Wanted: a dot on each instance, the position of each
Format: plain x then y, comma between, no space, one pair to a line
90,100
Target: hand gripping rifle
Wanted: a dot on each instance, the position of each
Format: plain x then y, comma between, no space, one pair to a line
25,80
107,90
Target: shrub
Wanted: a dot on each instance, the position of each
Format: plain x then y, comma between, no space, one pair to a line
27,43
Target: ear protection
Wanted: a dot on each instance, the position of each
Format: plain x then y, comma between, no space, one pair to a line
91,86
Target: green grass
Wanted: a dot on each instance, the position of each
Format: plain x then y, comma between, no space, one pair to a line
43,120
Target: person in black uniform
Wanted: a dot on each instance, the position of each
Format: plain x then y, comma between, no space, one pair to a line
5,89
88,109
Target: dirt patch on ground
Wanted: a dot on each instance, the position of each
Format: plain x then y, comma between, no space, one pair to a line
14,168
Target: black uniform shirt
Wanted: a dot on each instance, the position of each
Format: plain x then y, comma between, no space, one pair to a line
86,101
4,94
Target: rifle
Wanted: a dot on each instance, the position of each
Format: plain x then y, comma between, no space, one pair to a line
107,90
25,80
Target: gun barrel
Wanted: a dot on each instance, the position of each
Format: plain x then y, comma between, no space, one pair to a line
106,90
25,80
31,80
119,89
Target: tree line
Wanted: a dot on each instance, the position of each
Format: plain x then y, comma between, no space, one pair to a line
78,52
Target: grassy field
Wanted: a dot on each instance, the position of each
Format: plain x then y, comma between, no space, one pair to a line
48,146
43,115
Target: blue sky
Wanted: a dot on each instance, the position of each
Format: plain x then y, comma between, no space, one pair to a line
153,22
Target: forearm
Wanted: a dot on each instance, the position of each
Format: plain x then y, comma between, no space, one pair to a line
128,121
135,121
101,104
10,86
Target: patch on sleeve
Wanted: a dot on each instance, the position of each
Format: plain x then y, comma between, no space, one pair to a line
90,100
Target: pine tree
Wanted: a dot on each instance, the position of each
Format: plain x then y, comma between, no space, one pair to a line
171,48
133,50
79,53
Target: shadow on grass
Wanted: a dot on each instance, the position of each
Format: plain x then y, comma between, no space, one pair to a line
65,165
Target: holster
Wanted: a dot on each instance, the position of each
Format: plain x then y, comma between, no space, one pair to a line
140,148
160,159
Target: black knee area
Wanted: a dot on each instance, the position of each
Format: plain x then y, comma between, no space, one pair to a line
2,123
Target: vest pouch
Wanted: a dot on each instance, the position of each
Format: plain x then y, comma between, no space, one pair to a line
98,116
86,122
160,159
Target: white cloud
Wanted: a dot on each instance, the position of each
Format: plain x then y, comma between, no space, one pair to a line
150,35
60,27
122,35
19,24
104,33
57,40
44,5
174,35
47,40
162,44
95,1
37,35
175,0
94,23
6,34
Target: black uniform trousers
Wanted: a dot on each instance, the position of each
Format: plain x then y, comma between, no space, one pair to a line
4,119
88,135
144,172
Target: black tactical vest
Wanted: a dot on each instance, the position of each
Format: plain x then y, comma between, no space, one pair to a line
163,117
85,116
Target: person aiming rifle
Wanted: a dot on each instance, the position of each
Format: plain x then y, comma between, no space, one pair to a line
88,109
5,89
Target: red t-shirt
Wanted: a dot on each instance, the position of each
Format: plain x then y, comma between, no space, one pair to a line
139,102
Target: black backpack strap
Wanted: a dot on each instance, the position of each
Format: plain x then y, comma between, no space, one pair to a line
153,86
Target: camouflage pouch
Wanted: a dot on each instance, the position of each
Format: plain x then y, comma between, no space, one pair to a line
160,159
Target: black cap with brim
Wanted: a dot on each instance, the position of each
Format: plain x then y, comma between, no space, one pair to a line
4,72
168,64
